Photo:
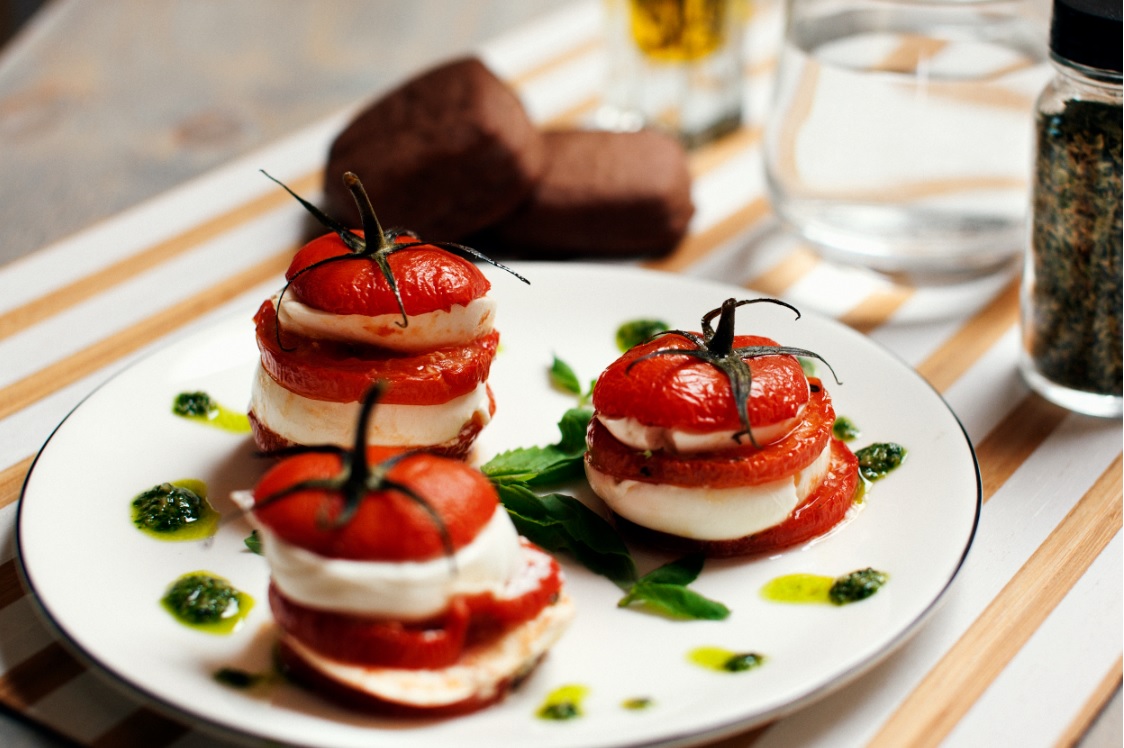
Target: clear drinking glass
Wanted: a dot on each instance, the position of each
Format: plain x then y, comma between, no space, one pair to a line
674,65
900,134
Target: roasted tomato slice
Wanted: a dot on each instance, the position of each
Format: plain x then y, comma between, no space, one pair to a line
739,466
538,585
387,525
428,277
681,392
432,643
339,372
822,510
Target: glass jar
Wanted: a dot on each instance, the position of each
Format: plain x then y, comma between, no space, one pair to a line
1071,291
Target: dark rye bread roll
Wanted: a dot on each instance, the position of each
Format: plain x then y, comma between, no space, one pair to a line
445,154
603,194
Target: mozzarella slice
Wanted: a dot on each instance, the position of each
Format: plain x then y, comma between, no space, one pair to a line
643,437
459,325
303,420
495,561
480,673
703,513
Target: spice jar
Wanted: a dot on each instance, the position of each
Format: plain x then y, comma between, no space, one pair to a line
1071,293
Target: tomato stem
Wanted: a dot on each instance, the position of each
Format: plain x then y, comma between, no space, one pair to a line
721,341
366,248
358,477
716,347
371,225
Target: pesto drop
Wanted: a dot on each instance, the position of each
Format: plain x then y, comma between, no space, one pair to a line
858,585
207,602
844,429
238,678
817,588
798,588
725,660
563,703
637,703
633,333
879,460
201,407
176,510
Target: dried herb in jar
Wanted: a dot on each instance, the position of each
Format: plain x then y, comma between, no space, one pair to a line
1075,333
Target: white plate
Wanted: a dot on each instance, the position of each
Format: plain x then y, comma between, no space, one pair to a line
99,580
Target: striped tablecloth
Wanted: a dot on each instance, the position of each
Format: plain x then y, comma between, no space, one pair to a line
1024,651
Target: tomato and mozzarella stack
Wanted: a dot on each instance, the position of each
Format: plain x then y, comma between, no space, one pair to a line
359,310
415,596
669,454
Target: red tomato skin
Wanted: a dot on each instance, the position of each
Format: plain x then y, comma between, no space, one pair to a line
343,373
436,642
685,393
822,511
740,466
388,526
428,278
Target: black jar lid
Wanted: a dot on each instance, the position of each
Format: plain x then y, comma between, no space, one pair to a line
1087,32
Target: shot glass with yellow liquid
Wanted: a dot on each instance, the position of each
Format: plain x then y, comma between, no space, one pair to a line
674,65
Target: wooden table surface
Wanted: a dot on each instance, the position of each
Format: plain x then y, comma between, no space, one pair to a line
104,106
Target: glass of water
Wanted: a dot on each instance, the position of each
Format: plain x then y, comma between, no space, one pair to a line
900,134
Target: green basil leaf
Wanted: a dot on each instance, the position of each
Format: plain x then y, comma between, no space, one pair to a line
665,589
574,424
682,571
560,523
564,378
675,600
545,466
253,542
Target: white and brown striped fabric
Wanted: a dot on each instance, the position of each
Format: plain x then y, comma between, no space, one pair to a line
1025,649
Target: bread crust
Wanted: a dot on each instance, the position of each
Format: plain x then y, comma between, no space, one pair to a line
601,194
444,154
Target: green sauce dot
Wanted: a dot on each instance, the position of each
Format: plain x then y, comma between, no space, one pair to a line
816,588
236,678
192,404
637,331
741,662
879,460
637,703
563,703
201,407
725,660
858,585
798,588
844,429
177,510
206,602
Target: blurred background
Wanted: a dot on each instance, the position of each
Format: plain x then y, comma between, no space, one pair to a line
126,83
13,14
